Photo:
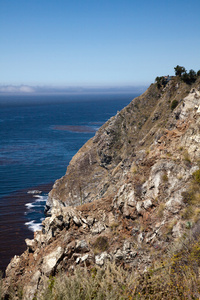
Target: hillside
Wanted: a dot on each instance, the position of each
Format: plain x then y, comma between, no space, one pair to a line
129,195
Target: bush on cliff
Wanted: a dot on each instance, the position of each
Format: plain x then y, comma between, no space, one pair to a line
174,104
179,70
161,81
189,77
196,176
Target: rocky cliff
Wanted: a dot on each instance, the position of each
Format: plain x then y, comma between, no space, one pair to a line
126,195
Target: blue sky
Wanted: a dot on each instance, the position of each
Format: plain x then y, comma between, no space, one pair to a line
96,43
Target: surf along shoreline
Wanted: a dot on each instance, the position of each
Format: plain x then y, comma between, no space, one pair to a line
13,222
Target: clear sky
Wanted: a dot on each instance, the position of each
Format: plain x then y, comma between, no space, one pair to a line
96,42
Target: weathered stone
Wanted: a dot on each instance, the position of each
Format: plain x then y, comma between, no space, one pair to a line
13,264
90,220
177,230
139,207
119,255
50,260
126,210
147,203
81,246
126,246
98,228
82,258
101,258
70,248
77,220
111,219
31,289
31,244
131,199
140,237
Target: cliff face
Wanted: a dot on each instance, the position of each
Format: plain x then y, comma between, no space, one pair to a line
125,193
99,164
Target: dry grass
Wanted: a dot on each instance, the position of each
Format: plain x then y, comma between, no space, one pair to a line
100,245
191,198
165,177
134,168
174,277
161,210
196,176
112,282
169,226
186,157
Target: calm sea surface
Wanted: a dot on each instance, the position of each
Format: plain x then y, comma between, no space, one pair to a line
38,137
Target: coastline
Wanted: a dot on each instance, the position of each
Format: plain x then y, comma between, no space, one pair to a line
13,230
46,139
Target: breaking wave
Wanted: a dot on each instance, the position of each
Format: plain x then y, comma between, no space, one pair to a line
35,212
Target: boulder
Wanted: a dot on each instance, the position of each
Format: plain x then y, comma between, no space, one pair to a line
50,260
31,244
101,258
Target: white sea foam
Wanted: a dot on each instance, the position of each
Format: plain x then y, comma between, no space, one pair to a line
40,198
34,212
29,205
34,192
33,226
33,205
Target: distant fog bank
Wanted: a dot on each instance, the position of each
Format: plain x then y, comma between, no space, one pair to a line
49,90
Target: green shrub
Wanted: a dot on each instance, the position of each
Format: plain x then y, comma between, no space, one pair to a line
165,177
196,176
188,196
179,70
161,81
174,104
190,77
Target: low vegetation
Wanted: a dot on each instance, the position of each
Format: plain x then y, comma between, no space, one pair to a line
174,277
161,81
101,244
191,198
180,71
174,104
196,176
187,77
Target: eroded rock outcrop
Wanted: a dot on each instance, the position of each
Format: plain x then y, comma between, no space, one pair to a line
123,197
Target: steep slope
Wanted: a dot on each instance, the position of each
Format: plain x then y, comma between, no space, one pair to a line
98,165
95,169
128,194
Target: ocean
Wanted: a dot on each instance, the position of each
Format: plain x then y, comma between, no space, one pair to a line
38,137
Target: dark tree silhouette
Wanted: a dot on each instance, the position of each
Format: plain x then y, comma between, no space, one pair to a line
179,70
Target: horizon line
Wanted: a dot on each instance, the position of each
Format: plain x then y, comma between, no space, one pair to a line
33,90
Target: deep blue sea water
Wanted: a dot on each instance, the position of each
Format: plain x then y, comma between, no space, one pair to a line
38,137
